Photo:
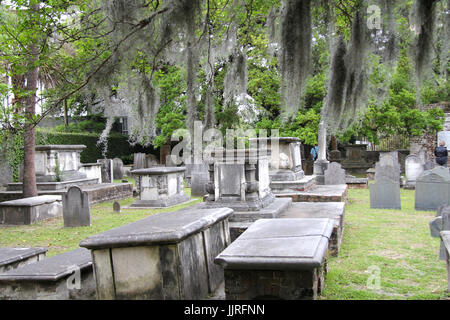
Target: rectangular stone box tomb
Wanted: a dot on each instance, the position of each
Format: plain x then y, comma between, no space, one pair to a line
67,276
165,256
30,210
278,259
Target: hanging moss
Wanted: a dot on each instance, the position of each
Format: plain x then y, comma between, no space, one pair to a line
295,52
424,20
347,86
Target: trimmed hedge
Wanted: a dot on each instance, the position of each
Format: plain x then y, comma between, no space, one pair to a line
118,145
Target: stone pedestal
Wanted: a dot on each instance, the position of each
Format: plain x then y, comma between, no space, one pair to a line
160,187
165,256
277,259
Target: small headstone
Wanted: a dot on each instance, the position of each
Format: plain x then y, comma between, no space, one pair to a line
388,167
116,206
199,180
117,168
76,211
334,174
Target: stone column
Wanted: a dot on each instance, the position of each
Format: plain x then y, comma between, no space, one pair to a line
321,164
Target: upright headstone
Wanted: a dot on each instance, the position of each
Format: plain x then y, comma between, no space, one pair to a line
199,180
385,192
413,169
117,168
76,211
433,189
334,174
116,206
107,170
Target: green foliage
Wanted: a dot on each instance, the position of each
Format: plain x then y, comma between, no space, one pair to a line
118,145
91,125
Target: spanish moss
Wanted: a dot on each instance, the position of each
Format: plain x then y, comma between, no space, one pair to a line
295,52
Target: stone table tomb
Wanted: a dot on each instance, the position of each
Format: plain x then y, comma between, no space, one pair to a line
160,187
30,210
278,259
165,256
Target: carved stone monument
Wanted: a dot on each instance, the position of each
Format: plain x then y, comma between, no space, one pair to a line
335,174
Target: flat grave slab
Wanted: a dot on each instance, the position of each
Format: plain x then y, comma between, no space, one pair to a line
320,193
51,278
168,255
331,210
286,255
12,258
30,210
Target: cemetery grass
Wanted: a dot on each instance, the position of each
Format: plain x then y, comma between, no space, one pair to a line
52,234
396,244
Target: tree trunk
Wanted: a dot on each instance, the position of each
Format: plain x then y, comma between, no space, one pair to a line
66,114
29,172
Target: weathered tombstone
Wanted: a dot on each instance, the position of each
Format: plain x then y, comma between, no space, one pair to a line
116,206
76,211
388,167
445,236
334,174
413,169
117,168
199,180
385,194
433,189
107,170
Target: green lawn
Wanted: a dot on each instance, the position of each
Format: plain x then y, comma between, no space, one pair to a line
397,243
52,234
